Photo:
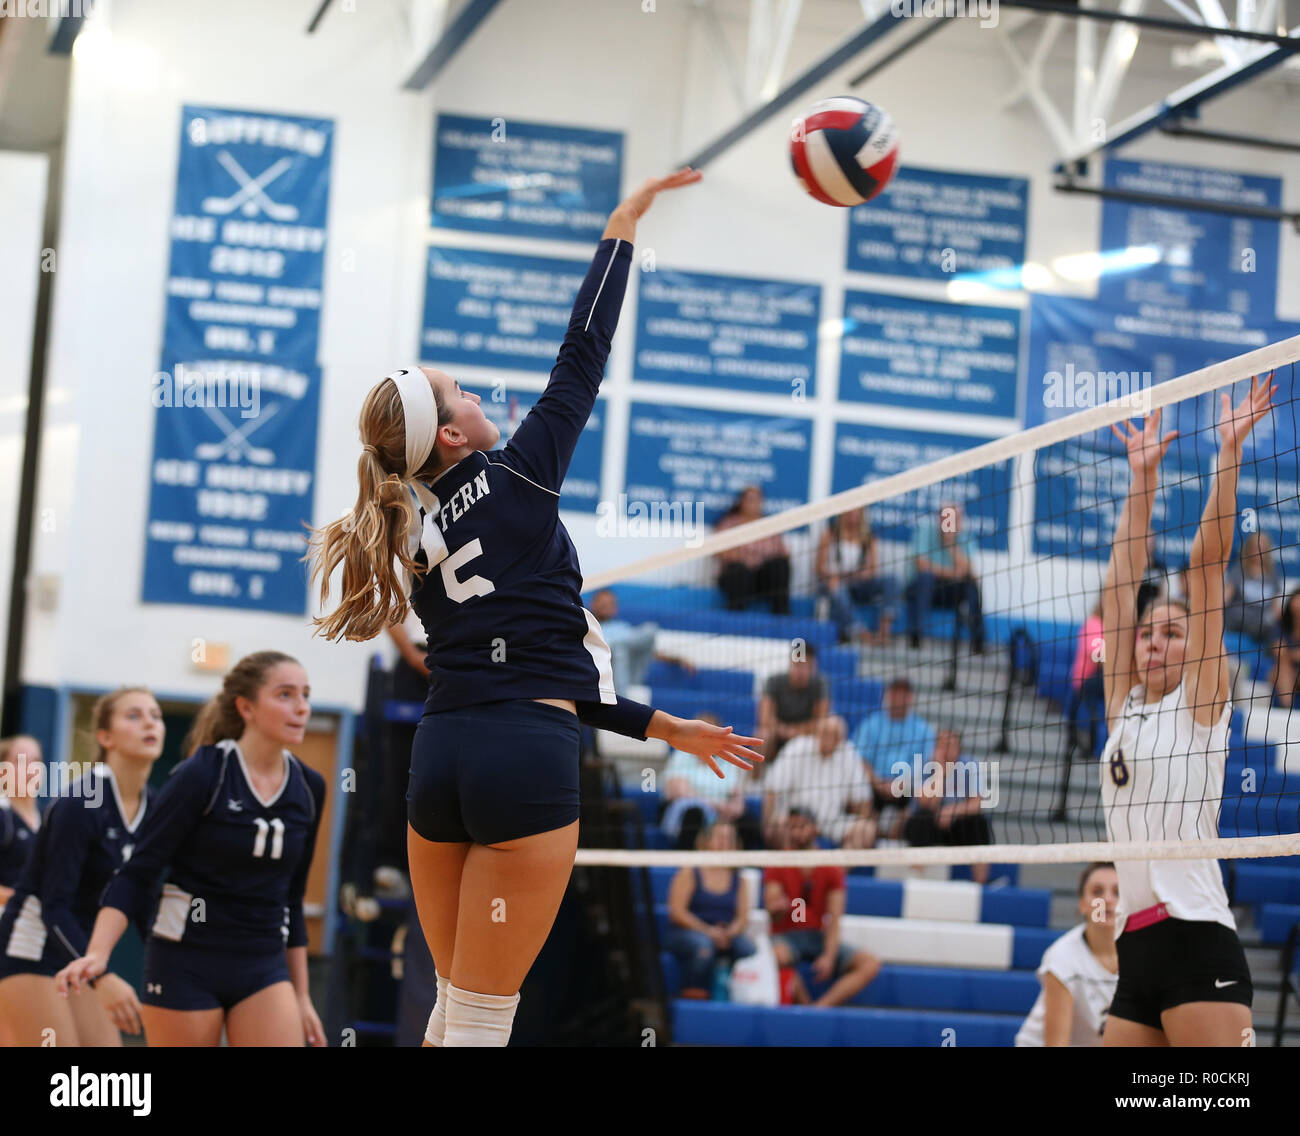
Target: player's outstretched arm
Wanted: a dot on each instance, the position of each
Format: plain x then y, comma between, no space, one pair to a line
1128,557
622,222
705,740
1208,682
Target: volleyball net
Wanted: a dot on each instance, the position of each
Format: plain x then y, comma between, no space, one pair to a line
922,652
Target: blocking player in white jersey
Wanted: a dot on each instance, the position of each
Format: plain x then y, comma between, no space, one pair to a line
1078,970
1183,978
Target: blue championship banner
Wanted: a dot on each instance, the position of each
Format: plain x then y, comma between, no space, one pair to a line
929,354
493,309
1196,268
939,225
1083,354
248,235
231,482
525,179
868,453
507,408
706,457
728,331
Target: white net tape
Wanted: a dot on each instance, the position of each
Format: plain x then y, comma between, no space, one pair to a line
1082,852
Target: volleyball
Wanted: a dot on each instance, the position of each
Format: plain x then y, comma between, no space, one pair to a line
844,150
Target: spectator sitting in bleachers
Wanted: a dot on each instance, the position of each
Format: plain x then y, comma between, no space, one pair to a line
696,797
823,774
760,569
632,649
793,703
806,905
708,910
1079,971
848,573
943,575
891,737
1253,590
946,808
1286,668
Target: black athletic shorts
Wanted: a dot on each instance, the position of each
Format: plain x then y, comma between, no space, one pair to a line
1174,962
494,772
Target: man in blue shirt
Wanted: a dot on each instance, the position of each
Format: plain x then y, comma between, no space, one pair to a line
943,576
894,742
946,809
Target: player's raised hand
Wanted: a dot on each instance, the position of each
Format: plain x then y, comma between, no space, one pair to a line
1145,447
638,202
1236,423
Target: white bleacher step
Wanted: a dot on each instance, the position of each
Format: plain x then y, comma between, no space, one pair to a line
931,942
619,747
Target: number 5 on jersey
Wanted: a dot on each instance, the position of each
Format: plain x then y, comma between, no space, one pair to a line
462,590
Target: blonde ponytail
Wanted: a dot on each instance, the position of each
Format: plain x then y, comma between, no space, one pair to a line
374,538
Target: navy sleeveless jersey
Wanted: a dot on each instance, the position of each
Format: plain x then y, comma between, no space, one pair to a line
16,843
236,865
82,841
503,609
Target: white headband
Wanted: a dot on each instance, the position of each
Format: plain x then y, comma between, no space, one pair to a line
420,415
420,418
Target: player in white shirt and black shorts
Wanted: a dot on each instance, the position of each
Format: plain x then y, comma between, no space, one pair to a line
1183,978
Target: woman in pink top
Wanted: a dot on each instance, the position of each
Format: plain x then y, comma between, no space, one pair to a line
1087,655
760,569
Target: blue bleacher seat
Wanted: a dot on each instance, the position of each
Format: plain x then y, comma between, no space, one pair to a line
1029,943
1276,921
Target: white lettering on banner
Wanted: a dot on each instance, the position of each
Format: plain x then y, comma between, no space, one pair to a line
287,482
227,130
265,234
231,313
227,558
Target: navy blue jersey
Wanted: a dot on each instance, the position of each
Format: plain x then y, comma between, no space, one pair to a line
502,610
82,841
236,865
16,843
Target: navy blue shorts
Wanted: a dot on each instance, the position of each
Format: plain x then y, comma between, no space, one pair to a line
181,976
494,772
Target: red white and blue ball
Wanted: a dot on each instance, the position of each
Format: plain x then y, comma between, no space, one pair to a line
844,150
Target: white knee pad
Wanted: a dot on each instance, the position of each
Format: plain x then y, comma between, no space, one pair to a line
479,1019
437,1027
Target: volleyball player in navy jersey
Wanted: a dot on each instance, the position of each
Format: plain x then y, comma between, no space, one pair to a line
1183,975
515,659
235,828
20,818
84,838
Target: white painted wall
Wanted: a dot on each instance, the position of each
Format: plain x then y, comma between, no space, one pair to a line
581,62
22,190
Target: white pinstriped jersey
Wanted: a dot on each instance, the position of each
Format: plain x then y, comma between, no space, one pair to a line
1162,780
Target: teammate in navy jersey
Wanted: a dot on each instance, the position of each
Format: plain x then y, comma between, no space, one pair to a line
83,839
1183,976
20,818
515,659
235,828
